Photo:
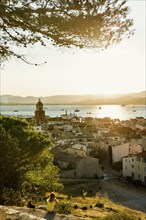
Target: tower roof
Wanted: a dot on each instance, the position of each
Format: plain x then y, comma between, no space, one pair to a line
39,101
39,105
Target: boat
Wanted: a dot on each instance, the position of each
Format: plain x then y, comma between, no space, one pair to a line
100,107
77,110
16,110
123,105
134,110
89,112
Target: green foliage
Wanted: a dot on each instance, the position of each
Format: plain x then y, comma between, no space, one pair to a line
64,208
84,193
11,197
42,175
25,161
127,131
117,166
99,153
88,23
9,159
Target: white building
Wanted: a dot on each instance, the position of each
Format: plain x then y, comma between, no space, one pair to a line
123,150
134,166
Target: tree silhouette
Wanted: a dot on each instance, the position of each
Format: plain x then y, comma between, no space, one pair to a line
81,23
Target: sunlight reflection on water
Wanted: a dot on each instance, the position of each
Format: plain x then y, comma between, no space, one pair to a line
112,111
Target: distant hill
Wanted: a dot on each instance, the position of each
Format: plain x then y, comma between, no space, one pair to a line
119,99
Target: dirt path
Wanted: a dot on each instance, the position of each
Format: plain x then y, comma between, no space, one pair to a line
125,194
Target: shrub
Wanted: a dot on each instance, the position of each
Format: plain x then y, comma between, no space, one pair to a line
64,208
84,193
11,197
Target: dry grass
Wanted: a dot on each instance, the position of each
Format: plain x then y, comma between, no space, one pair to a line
110,211
94,212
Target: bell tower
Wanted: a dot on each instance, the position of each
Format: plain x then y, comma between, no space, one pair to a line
39,113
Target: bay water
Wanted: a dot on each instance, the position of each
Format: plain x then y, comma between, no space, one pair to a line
112,111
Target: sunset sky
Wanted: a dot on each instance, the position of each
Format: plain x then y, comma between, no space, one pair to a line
72,71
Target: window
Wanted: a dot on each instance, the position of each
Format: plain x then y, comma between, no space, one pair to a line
139,176
132,174
132,166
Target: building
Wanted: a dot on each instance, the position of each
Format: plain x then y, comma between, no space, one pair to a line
40,117
134,166
124,149
75,166
76,151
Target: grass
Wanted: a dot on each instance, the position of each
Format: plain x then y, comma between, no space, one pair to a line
73,205
78,196
110,211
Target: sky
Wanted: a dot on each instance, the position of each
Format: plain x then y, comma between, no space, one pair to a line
117,70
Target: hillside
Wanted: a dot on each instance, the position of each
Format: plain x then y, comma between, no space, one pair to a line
80,208
119,99
103,200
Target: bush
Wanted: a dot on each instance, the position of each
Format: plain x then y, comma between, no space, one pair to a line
64,208
11,197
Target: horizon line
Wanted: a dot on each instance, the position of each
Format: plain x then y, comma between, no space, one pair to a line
105,94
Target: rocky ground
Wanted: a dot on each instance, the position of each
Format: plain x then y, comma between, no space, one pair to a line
23,213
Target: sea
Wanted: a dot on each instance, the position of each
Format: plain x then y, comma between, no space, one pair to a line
120,112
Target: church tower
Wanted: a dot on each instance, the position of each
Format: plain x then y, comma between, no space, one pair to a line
39,113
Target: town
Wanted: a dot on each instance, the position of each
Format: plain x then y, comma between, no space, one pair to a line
92,147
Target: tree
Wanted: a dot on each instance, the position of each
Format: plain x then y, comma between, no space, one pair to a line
81,23
25,160
99,153
9,160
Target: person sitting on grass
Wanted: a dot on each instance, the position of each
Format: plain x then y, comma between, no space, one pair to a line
52,204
